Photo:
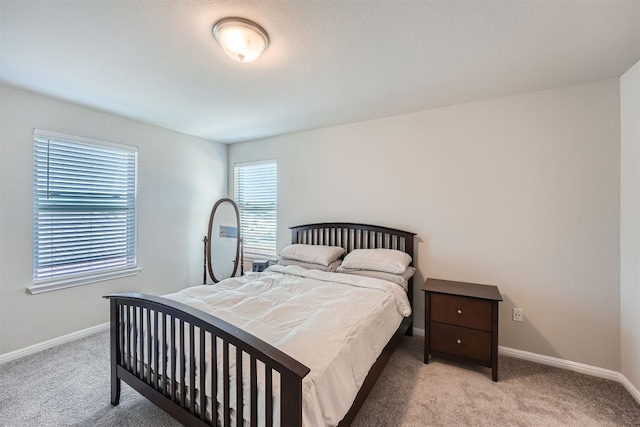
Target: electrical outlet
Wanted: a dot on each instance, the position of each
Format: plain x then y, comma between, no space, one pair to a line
517,314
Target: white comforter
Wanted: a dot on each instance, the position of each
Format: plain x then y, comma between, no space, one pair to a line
335,324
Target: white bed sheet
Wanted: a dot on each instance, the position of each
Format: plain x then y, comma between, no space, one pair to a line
335,324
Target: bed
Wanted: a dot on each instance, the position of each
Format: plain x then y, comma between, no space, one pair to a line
165,347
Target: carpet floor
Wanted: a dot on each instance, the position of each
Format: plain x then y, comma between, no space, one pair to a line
69,386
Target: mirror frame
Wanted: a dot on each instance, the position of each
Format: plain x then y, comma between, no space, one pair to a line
209,236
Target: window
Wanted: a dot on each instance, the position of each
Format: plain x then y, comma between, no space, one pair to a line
84,221
255,195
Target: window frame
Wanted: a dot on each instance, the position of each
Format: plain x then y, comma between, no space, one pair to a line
71,279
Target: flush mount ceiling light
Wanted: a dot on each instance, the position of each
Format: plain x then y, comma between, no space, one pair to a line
241,39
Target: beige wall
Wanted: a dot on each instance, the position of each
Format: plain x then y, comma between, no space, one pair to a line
630,226
179,179
520,192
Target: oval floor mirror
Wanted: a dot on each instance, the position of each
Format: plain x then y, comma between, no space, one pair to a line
223,241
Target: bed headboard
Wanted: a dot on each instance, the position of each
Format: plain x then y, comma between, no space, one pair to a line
356,236
353,236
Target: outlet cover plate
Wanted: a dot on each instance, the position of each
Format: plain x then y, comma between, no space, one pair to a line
517,314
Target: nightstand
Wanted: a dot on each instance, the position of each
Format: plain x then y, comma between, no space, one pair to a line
461,322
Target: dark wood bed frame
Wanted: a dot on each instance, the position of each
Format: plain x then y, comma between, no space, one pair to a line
131,342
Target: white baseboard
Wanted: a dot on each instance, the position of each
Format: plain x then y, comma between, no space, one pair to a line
573,366
564,364
630,387
7,357
560,363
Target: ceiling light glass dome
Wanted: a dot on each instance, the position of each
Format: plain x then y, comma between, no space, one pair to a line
241,39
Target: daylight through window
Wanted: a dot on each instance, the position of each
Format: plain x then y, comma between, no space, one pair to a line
84,219
255,195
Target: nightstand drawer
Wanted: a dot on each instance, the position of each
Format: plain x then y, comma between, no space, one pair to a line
462,311
459,341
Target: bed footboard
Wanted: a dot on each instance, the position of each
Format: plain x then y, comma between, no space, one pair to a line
200,369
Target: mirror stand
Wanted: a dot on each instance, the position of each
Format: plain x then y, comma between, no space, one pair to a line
227,220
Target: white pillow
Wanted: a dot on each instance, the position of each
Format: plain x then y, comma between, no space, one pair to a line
387,260
400,279
315,254
331,267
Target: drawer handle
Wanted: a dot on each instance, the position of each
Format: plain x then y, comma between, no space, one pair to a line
459,341
459,311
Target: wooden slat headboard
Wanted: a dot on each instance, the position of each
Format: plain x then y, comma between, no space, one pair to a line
353,236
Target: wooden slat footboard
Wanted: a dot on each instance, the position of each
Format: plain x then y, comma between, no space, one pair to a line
159,347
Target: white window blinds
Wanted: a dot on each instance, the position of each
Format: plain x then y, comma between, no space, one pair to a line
84,207
255,195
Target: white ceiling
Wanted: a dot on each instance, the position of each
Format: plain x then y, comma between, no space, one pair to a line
329,62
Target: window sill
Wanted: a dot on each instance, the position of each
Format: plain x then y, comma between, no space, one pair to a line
81,280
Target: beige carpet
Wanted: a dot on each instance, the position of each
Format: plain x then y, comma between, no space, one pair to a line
444,393
69,386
